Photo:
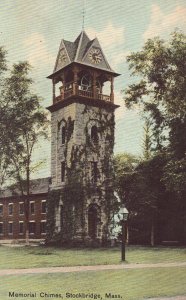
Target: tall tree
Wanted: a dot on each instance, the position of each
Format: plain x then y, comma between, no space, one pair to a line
26,124
138,183
4,161
124,167
160,90
161,86
151,191
147,143
3,65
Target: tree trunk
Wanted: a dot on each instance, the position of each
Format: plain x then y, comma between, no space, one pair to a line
152,233
183,213
27,221
27,207
27,237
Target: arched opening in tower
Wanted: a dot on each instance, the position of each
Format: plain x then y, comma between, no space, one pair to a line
58,87
68,80
106,88
85,81
94,134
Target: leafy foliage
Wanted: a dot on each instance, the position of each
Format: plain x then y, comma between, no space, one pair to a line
161,88
160,91
3,64
124,167
23,123
4,161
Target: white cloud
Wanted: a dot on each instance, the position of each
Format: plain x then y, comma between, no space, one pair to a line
161,23
37,52
110,36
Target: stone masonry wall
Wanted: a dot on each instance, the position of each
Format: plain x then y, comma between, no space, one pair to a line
80,148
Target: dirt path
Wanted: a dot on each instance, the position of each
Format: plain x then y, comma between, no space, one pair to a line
88,268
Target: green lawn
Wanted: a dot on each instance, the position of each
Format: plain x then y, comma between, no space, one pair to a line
32,257
130,284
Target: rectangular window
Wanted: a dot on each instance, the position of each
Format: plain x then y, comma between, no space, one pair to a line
32,207
43,227
10,209
94,171
1,228
1,209
63,171
21,208
32,227
10,228
21,227
43,207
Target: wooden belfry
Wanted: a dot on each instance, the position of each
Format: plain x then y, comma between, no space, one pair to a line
82,69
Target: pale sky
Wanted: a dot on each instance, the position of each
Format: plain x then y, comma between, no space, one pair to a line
32,30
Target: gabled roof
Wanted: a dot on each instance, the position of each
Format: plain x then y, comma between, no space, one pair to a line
37,186
82,45
96,45
78,51
71,49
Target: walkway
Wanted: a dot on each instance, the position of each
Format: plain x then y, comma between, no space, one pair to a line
88,268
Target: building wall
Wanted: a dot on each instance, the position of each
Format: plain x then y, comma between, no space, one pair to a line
81,154
16,217
84,117
58,119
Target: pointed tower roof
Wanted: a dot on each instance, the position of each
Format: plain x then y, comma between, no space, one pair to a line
83,51
82,41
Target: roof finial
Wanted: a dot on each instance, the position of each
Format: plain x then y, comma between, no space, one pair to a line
83,25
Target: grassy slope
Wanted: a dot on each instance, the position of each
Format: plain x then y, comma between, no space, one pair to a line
130,284
32,257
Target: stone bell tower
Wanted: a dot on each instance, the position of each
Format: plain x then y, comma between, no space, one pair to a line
81,197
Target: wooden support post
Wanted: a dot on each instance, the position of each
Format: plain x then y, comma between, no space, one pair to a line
63,89
112,90
75,86
94,86
54,90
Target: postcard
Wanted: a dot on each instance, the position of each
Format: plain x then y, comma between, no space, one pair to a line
92,149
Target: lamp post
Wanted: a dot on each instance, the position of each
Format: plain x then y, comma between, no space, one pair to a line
125,214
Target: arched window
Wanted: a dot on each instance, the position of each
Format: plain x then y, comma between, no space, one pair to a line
63,171
63,134
94,134
92,221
